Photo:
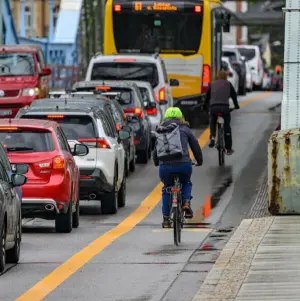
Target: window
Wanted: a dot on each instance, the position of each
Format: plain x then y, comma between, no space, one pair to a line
4,159
164,71
29,20
230,54
109,131
171,32
225,66
145,94
248,53
66,146
74,127
14,64
27,141
3,174
130,71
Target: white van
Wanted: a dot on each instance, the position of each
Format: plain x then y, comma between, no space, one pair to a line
253,56
134,67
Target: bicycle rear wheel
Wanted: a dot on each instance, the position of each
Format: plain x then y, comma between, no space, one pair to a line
221,147
176,226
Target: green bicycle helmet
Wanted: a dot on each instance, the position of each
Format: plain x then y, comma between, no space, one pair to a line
173,112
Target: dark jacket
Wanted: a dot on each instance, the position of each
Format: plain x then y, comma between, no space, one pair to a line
219,92
187,139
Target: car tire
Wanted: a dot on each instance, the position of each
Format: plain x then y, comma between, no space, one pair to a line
64,222
122,194
13,255
3,248
143,156
109,203
76,216
243,90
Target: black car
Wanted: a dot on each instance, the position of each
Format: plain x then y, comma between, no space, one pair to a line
239,66
129,97
10,210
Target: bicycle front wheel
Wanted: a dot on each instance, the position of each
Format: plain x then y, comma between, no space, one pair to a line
221,152
176,226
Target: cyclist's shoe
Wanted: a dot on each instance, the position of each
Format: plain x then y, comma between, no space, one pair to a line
187,209
212,143
229,152
166,222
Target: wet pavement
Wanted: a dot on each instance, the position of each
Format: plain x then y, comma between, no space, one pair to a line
260,262
128,256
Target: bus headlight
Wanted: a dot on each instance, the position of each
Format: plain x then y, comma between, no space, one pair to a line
31,92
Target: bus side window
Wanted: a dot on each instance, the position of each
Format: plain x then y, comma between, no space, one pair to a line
217,44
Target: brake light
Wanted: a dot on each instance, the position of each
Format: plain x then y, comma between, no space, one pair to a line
205,78
55,116
100,142
58,162
198,8
118,127
125,60
137,111
162,94
230,74
117,7
8,128
105,88
152,111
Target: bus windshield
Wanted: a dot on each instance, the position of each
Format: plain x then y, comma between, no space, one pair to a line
178,32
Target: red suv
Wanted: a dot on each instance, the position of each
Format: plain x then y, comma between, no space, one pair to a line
51,191
24,77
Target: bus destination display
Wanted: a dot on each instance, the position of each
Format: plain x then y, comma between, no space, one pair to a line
154,6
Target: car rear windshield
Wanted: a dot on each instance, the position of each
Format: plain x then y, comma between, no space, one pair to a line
74,127
248,53
123,96
230,54
27,141
16,64
146,72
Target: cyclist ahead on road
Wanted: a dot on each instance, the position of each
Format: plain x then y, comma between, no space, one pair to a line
181,165
217,96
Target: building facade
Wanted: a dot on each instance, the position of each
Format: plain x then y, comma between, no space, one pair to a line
32,17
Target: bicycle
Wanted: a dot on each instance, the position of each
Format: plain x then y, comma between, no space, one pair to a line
220,145
177,214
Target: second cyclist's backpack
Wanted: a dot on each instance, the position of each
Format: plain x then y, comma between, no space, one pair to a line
168,143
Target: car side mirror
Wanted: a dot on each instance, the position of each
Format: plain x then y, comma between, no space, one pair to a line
46,72
18,180
123,134
80,150
21,169
174,82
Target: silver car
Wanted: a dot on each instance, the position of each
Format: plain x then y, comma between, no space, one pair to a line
153,109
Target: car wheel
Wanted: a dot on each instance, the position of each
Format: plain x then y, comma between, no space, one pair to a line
143,156
13,255
3,248
76,214
109,203
122,194
64,222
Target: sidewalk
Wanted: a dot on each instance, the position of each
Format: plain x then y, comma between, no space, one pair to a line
261,261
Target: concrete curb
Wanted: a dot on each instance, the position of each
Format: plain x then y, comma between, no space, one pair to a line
228,273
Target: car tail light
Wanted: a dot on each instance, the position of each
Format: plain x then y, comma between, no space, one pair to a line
100,142
117,7
124,60
8,128
102,88
152,111
58,162
198,9
137,111
230,74
205,78
162,94
55,116
118,127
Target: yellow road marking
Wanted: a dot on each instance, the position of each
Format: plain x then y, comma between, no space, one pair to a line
45,286
184,230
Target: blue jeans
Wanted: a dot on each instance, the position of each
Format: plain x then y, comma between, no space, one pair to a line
165,174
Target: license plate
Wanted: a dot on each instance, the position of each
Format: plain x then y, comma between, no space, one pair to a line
5,112
188,102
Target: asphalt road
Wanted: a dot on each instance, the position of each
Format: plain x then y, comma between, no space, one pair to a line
128,256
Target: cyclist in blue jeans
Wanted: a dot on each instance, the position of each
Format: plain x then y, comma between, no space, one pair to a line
181,166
